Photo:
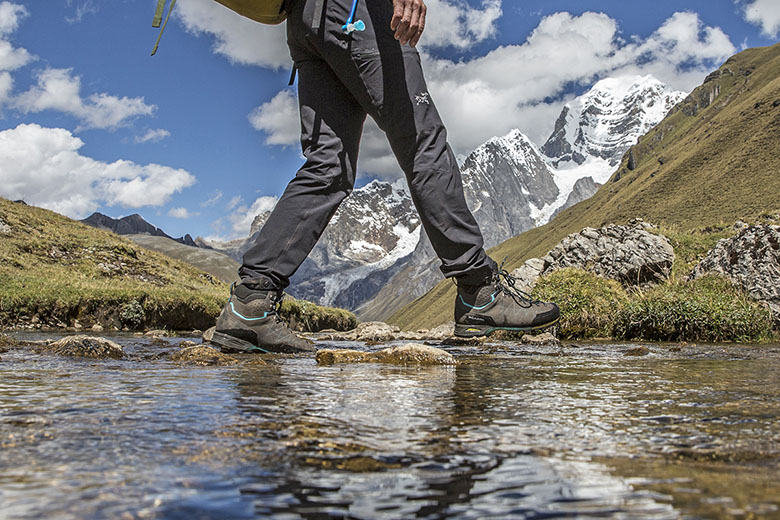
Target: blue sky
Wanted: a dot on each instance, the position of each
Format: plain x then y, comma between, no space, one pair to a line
200,137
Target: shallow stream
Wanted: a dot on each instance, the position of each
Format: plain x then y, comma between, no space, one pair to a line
512,431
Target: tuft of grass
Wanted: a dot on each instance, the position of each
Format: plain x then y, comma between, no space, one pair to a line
305,316
708,309
588,302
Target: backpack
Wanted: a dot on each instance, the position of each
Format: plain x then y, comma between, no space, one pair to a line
264,11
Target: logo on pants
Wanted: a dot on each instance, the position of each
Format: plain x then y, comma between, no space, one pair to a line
422,98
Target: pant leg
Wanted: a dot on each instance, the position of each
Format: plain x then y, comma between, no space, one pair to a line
331,126
387,79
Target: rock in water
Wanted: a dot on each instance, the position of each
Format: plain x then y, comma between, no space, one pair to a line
544,339
409,354
203,355
208,334
629,254
86,346
751,260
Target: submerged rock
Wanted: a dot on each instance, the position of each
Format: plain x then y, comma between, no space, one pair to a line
409,354
543,339
86,346
203,355
751,260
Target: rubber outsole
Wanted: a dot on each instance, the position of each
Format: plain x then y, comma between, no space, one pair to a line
474,331
228,343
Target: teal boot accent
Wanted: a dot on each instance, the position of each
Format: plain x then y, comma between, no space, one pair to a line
499,305
249,322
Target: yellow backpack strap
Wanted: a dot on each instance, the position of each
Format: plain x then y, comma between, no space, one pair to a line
158,18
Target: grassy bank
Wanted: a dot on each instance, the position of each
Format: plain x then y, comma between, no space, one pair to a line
56,272
709,309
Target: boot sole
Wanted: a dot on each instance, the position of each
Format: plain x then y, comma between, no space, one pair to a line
228,343
473,331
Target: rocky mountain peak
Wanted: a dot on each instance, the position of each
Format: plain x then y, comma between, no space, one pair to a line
608,119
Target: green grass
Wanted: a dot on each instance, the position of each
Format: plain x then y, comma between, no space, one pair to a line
708,309
55,272
588,303
701,167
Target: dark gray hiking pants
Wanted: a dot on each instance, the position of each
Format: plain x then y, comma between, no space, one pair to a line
341,79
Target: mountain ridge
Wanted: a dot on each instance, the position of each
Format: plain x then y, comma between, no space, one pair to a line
711,160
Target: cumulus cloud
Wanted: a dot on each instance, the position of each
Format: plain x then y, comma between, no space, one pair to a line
11,58
242,217
459,25
239,39
182,213
152,136
278,119
59,89
43,167
765,14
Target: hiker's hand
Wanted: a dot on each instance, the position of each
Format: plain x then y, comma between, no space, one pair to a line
408,21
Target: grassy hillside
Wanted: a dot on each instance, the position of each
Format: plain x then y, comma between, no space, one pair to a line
213,262
56,272
711,161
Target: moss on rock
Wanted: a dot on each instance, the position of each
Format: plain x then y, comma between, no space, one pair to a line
85,346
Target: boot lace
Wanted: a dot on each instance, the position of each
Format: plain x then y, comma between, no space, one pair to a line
506,283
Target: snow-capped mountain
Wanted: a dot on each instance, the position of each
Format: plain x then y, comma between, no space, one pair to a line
372,256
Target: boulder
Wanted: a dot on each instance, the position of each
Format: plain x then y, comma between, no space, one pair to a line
629,254
86,346
544,339
409,354
203,355
751,260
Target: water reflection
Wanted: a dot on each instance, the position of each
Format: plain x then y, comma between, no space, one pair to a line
503,434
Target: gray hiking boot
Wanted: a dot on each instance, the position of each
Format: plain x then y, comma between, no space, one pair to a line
249,322
499,305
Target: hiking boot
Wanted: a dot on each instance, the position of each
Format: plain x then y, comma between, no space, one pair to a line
499,305
249,322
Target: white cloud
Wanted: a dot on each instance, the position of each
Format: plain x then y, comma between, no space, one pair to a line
765,14
10,16
58,89
11,58
182,213
211,201
43,167
241,219
234,203
278,119
454,23
239,39
82,9
512,86
152,136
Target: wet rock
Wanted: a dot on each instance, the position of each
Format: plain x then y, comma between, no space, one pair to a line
203,355
208,334
751,260
442,331
158,333
97,328
409,354
85,346
545,339
629,254
187,343
637,351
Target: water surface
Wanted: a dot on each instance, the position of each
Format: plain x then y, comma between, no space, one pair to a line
511,432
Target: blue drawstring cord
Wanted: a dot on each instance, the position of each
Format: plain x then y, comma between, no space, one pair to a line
349,27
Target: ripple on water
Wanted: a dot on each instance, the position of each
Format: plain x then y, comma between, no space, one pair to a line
506,433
